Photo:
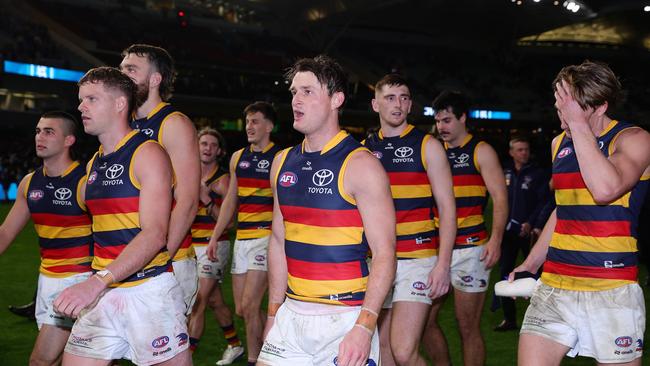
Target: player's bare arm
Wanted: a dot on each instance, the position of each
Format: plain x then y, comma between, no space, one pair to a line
219,187
442,187
17,218
227,209
495,182
277,261
367,182
180,141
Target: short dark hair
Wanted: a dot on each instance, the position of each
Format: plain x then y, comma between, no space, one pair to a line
114,79
70,127
594,84
266,108
392,79
70,123
216,134
162,62
454,100
328,72
516,139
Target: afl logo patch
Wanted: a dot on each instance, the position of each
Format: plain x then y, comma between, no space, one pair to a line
92,177
377,154
244,164
564,152
288,179
35,195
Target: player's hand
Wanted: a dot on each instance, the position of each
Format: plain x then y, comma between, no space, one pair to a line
211,251
354,348
438,281
524,267
78,297
568,109
525,230
491,253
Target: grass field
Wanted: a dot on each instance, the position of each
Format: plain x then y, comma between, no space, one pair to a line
19,270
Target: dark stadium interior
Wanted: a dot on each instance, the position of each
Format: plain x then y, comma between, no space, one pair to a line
504,54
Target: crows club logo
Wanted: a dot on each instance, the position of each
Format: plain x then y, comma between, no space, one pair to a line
62,193
564,152
288,179
114,171
322,177
263,164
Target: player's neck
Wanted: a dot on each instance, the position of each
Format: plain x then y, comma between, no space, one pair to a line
207,168
56,165
317,140
110,139
600,125
388,130
458,140
152,102
262,144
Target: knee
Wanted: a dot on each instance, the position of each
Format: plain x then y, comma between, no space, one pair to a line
468,328
249,310
403,354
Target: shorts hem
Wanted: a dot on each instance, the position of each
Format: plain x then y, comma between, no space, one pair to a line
470,291
543,335
417,301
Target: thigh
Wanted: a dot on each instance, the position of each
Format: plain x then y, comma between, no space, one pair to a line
468,307
50,343
408,321
254,287
537,350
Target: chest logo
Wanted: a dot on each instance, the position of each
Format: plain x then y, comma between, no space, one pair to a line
322,177
62,194
462,159
114,171
244,164
377,154
288,179
564,152
404,152
263,164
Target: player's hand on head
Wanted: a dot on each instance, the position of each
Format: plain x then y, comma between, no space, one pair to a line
567,107
354,349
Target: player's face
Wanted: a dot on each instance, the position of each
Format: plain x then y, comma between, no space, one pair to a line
139,70
99,107
311,103
448,125
50,138
393,103
209,149
520,152
257,127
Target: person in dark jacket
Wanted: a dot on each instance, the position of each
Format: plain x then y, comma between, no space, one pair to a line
528,194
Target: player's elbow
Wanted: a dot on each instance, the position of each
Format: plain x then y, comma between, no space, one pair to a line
605,195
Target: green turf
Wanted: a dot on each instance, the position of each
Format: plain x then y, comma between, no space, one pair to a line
19,270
